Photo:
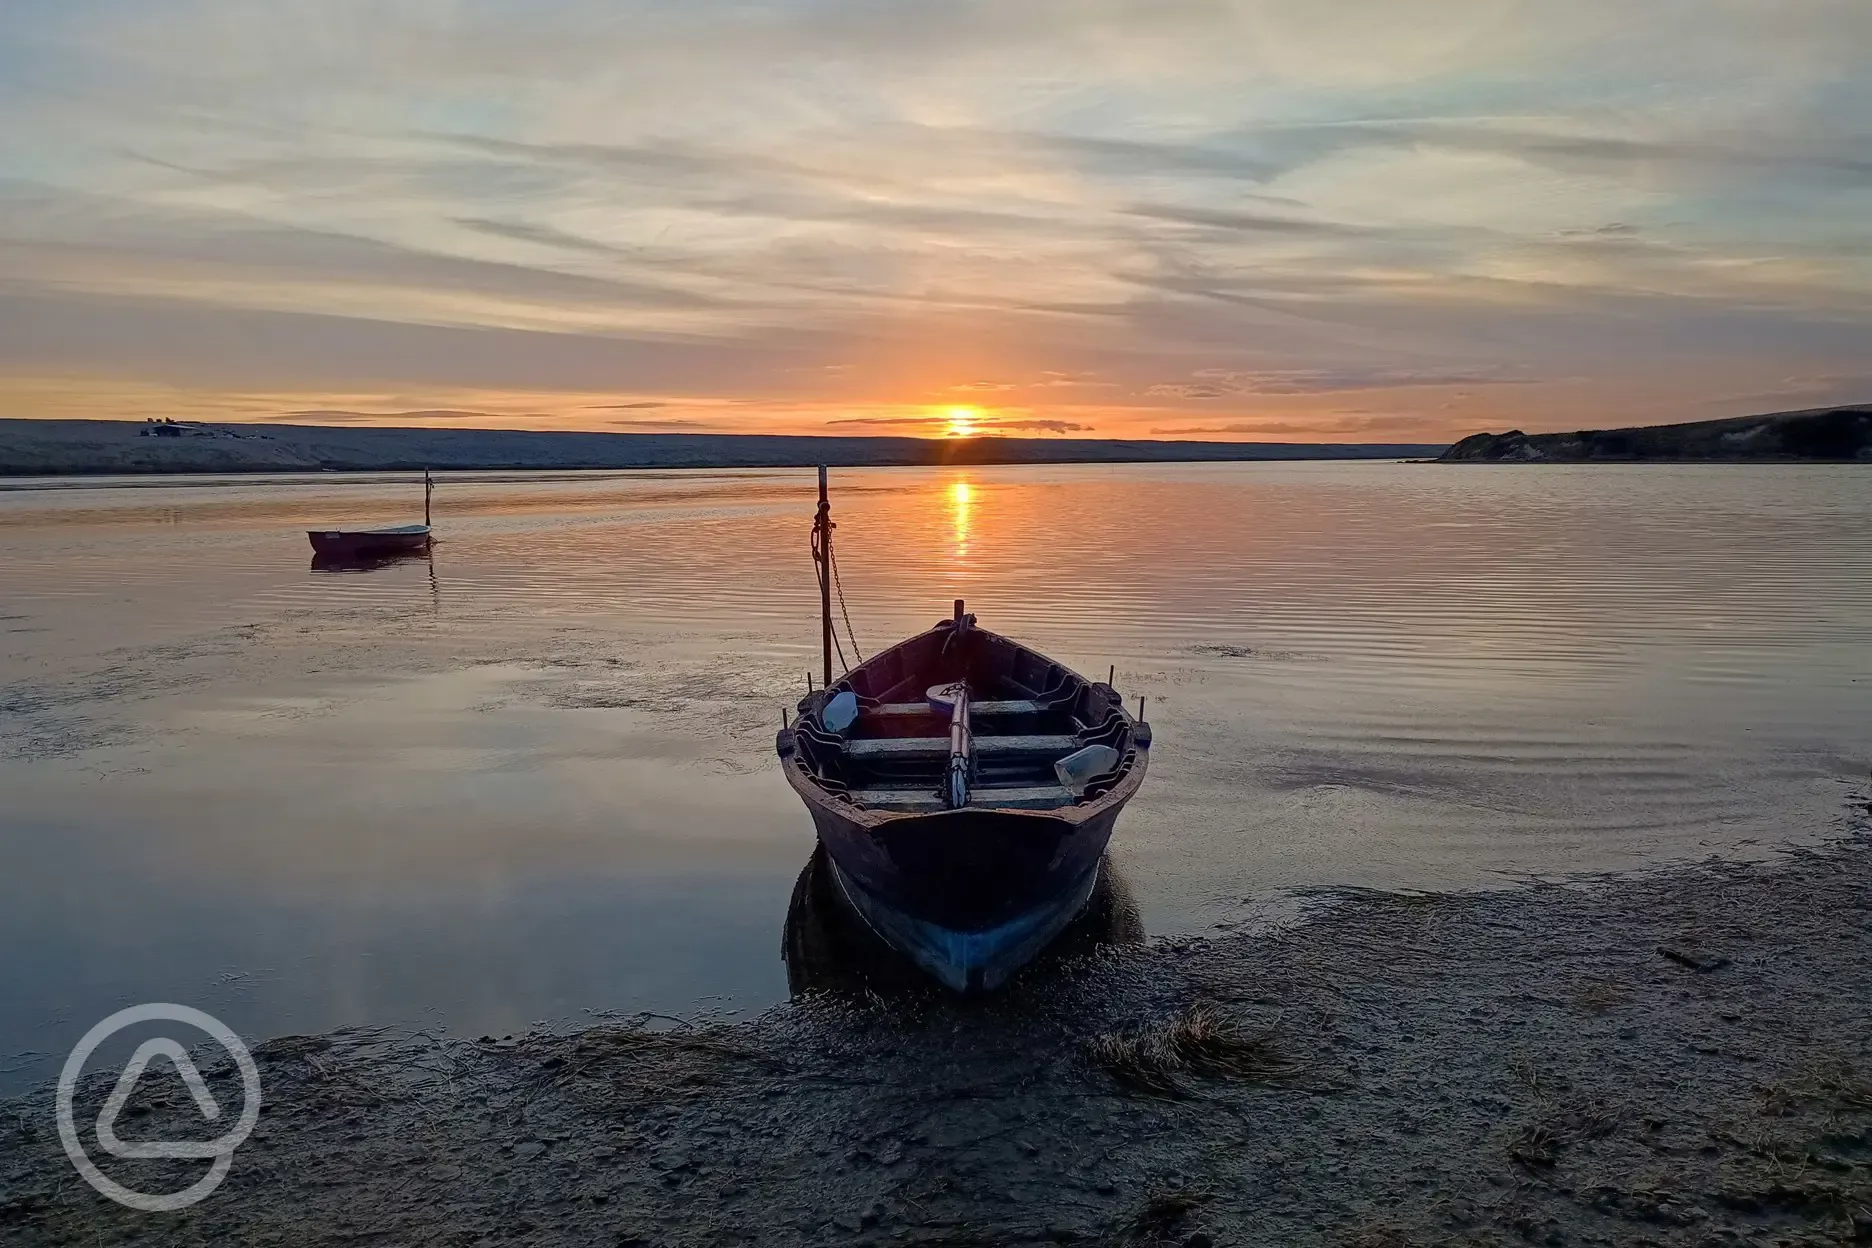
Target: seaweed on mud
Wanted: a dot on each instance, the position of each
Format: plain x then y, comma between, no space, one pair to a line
1198,1041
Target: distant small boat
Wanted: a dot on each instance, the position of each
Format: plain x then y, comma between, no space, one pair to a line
365,543
964,788
346,544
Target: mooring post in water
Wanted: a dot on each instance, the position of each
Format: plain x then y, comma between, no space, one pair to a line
428,489
822,553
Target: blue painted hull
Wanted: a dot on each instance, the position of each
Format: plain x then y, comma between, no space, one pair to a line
968,870
968,895
969,961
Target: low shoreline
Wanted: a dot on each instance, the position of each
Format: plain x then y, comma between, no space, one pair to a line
1678,1056
1815,435
117,447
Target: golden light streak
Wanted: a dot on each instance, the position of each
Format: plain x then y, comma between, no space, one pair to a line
960,503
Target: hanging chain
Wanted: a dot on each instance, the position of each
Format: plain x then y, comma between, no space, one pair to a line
840,587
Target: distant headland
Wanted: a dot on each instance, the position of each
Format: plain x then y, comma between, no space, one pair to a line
1822,433
50,447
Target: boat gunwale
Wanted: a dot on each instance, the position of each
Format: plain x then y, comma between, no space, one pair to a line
403,530
874,820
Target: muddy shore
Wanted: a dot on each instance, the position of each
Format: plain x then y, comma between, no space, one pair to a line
1672,1057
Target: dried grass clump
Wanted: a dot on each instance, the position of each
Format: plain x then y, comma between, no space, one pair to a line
1163,1215
1833,1085
1596,996
1585,1118
1199,1041
1838,1086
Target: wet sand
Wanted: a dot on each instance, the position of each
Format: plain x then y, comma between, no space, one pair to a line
1681,1056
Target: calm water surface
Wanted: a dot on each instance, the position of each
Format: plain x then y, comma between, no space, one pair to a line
532,776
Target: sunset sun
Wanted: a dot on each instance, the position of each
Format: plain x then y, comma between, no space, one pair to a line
964,421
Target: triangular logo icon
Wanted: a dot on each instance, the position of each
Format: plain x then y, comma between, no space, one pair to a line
114,1104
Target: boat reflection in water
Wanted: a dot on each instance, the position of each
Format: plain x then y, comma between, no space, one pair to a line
339,565
827,947
372,561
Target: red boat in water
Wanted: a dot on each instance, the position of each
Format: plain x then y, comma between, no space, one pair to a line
403,539
369,543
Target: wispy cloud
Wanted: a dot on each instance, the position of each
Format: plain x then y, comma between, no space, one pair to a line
1093,213
327,416
1216,383
943,424
1398,427
669,424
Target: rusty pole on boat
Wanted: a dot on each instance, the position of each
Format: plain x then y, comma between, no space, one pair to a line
822,554
428,489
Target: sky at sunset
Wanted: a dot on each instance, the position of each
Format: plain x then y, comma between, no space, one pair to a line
1285,220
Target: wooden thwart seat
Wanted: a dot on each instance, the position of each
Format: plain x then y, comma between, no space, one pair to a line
865,748
1036,797
911,709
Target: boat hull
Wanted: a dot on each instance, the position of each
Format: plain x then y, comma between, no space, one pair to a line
965,870
970,896
339,544
969,961
829,947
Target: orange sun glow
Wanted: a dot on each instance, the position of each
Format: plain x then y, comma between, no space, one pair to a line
964,421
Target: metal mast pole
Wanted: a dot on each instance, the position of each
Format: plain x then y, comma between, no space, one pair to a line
823,527
428,489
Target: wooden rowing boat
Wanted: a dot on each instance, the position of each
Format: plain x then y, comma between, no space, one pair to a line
963,787
343,544
340,545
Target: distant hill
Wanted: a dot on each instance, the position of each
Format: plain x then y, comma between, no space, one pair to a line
45,447
1817,434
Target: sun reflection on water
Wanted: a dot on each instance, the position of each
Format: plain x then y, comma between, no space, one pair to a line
960,499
